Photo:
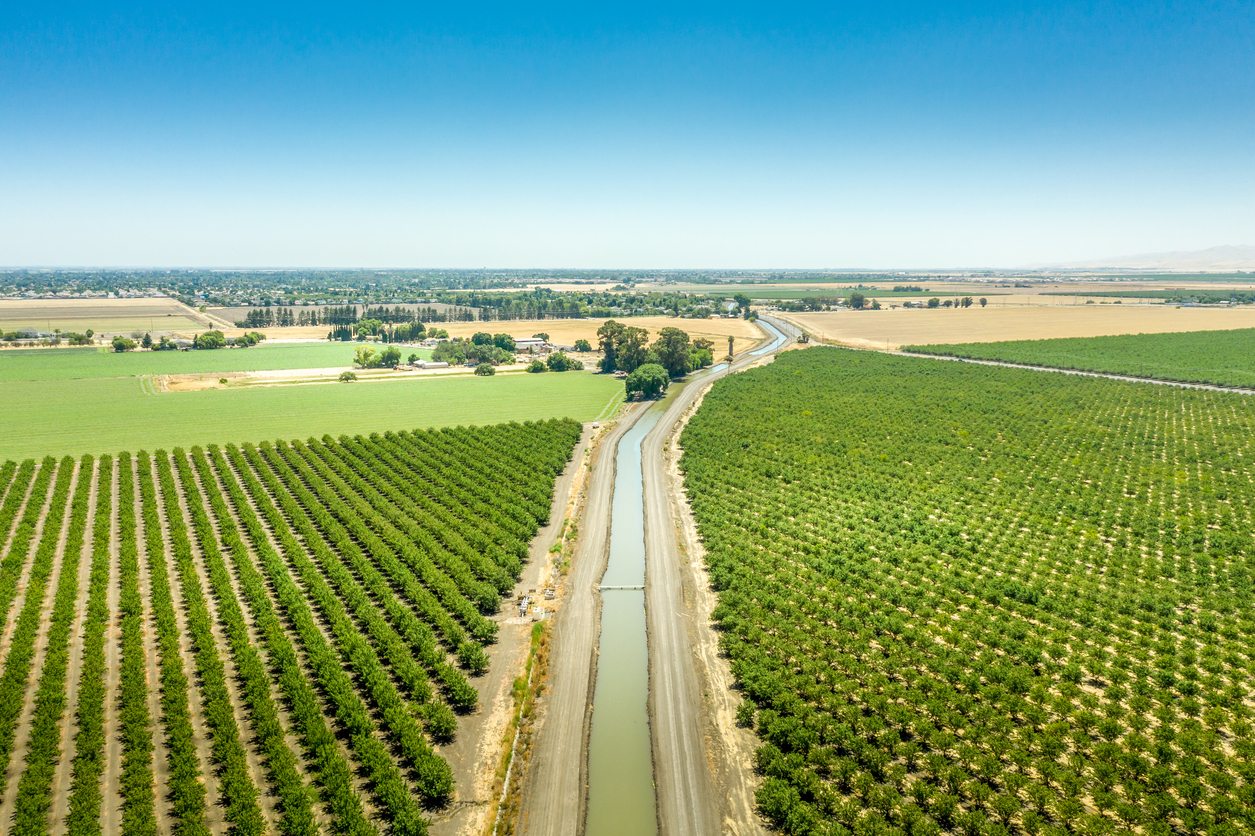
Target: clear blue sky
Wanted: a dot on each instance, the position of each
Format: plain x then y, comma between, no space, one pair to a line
725,135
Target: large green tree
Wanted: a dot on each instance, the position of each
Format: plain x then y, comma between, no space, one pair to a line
631,348
607,336
674,352
210,340
650,380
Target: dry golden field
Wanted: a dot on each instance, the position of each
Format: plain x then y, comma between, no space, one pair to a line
892,328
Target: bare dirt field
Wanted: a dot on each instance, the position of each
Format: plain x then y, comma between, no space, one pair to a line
895,328
104,316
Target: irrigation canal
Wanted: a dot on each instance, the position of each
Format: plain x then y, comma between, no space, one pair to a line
621,796
620,766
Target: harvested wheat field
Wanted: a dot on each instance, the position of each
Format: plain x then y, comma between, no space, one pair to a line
897,327
104,316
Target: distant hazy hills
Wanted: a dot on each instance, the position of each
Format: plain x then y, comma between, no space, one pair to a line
1211,260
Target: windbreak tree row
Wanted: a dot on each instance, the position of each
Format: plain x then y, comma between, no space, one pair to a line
982,600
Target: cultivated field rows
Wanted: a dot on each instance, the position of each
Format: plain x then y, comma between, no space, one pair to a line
975,600
259,639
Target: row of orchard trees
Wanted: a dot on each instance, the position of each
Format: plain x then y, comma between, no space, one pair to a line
982,600
348,580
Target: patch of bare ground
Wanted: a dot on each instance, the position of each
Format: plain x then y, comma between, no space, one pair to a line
281,705
729,748
21,738
64,773
105,316
214,810
477,751
248,737
161,754
196,382
361,783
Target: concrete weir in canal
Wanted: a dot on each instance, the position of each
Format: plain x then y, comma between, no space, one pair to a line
620,767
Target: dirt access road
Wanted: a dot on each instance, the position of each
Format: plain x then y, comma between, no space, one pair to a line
688,795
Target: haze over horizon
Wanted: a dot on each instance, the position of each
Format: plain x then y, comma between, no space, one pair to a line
905,135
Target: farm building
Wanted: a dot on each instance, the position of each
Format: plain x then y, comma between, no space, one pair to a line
530,345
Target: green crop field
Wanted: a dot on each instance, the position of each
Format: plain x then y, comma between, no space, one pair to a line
109,414
1222,358
983,600
68,364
